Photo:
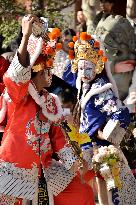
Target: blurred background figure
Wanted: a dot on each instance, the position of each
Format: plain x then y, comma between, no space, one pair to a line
107,6
28,6
90,9
119,39
81,27
61,59
131,13
67,36
106,10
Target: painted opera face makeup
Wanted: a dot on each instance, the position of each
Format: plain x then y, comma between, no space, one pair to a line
86,71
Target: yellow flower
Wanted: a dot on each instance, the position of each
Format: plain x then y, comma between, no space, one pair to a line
112,161
77,137
37,68
115,171
118,182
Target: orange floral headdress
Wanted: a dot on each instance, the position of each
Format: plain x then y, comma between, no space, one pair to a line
48,51
87,48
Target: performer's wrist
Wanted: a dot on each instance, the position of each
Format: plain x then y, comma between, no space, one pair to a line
25,36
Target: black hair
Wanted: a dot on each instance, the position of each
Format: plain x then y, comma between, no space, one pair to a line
1,42
33,74
80,9
68,95
69,32
1,38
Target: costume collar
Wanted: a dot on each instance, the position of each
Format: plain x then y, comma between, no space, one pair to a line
94,91
50,104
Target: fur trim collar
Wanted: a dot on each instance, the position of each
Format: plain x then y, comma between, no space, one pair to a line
95,91
50,104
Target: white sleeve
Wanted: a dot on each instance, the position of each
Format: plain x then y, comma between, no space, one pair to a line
17,73
67,157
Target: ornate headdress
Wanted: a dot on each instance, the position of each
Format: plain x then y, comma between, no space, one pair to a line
86,48
42,50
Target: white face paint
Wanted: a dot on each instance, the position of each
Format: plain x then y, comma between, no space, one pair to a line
86,71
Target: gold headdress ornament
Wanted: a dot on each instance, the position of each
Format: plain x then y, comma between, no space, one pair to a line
86,48
47,51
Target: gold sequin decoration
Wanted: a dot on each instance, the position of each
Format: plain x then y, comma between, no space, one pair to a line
84,51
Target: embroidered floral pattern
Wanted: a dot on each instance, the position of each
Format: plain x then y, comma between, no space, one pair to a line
50,103
98,83
35,132
103,96
106,102
83,122
110,107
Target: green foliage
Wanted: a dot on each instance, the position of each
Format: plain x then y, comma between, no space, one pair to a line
9,29
8,8
52,5
50,9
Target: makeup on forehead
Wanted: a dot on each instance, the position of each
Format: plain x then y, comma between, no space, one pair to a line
84,64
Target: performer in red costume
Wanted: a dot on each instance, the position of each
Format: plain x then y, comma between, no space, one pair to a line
33,131
4,64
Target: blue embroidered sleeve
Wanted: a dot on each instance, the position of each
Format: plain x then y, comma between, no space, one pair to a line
68,76
117,116
104,110
107,103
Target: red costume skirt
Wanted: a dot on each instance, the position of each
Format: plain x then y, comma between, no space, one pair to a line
76,193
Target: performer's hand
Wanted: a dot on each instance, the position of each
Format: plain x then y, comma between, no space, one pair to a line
23,56
27,22
75,166
132,98
100,135
85,167
83,170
